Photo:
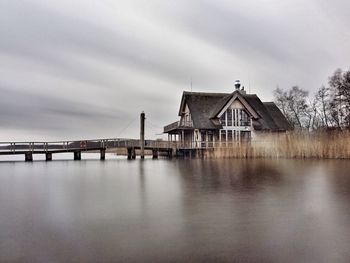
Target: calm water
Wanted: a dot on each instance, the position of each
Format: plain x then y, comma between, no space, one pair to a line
175,211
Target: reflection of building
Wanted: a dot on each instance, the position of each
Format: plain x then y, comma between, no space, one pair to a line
208,119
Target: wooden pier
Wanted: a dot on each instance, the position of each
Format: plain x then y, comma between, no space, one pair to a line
28,149
169,149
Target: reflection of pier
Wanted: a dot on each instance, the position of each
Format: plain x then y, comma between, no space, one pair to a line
77,147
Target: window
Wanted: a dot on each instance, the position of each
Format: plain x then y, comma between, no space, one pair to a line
229,117
223,119
245,121
235,117
203,135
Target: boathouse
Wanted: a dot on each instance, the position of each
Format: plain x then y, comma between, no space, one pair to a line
211,119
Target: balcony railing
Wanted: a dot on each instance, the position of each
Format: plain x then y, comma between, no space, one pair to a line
184,123
178,124
210,144
172,126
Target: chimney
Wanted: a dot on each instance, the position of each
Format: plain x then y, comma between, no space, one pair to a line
243,91
237,84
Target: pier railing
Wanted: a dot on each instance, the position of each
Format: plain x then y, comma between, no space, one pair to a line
97,144
79,145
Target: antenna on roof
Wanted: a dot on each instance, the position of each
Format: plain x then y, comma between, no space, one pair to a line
191,84
249,83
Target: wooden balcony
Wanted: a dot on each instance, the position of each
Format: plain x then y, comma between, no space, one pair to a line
178,125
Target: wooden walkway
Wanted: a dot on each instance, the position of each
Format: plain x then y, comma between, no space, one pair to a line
77,147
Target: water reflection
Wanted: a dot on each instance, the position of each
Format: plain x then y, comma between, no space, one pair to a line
235,175
177,211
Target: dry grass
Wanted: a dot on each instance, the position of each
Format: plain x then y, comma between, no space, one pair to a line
322,145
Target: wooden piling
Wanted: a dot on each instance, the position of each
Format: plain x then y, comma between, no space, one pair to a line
77,155
155,153
142,135
103,154
129,153
170,153
28,157
48,156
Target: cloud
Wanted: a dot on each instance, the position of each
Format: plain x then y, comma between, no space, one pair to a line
88,68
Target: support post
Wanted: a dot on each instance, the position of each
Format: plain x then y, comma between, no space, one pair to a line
155,153
48,156
133,153
28,157
183,139
77,156
142,135
170,153
129,153
103,154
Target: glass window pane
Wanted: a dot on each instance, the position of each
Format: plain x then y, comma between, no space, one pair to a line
245,121
234,117
223,119
229,117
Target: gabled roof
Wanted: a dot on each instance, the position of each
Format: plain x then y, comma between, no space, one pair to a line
266,122
277,116
205,107
223,104
200,105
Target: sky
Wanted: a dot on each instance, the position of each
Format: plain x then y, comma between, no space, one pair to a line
83,69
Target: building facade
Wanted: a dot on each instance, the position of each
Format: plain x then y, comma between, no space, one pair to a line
219,119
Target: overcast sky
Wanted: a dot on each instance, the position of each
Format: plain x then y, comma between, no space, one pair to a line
72,69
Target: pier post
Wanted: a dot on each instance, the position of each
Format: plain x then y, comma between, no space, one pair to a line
133,153
129,153
142,135
103,154
28,157
48,156
155,154
77,155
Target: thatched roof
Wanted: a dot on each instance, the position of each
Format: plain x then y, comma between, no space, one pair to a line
204,108
201,105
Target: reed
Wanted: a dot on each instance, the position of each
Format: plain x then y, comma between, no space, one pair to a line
320,145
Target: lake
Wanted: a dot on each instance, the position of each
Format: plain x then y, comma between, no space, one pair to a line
227,210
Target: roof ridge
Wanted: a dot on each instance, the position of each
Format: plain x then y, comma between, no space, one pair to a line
205,93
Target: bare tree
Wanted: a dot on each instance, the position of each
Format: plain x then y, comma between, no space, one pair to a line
294,106
330,106
323,104
339,84
281,100
297,105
